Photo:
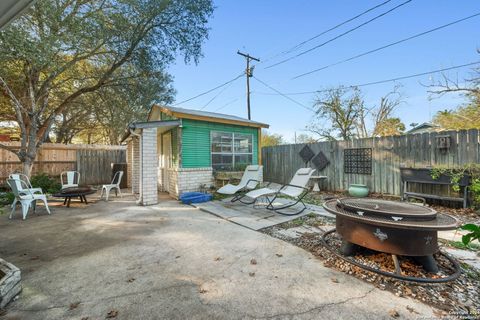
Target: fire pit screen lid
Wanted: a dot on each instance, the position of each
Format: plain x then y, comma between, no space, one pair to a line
386,208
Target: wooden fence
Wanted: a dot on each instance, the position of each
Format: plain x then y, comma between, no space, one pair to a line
92,161
388,155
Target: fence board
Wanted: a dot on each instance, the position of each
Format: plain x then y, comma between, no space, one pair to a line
92,161
389,154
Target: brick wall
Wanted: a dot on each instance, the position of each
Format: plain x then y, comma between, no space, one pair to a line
135,165
149,167
189,179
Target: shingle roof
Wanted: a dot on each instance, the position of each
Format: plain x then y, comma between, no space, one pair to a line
206,114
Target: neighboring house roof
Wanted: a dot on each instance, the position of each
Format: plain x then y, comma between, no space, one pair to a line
182,113
424,127
10,9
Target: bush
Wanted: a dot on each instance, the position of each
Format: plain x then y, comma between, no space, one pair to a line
6,198
48,184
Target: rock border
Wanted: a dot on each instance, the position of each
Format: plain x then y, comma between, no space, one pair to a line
10,285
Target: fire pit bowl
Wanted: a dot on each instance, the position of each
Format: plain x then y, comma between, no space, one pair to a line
391,227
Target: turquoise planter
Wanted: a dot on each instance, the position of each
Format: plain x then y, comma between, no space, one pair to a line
358,190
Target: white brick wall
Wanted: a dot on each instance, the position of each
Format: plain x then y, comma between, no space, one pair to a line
189,179
135,159
149,176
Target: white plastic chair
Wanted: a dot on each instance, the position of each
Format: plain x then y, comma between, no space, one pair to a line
72,179
250,179
115,185
296,189
22,177
25,197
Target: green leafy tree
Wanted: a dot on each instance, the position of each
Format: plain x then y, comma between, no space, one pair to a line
464,117
113,40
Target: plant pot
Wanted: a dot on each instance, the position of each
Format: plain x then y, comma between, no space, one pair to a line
358,190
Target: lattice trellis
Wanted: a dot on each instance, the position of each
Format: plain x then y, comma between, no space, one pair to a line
358,161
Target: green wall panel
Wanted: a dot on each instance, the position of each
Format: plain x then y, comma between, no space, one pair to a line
196,141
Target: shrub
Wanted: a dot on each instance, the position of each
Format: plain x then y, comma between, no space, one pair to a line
6,198
48,184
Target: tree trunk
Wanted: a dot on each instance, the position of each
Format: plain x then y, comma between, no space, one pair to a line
27,166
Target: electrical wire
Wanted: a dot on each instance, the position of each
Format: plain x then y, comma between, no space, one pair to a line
208,91
227,104
386,46
338,36
294,48
378,82
216,96
284,95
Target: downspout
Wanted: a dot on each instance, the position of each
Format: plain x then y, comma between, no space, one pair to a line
132,131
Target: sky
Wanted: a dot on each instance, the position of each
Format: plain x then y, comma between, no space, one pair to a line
265,28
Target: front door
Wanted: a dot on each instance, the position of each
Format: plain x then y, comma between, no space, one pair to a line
166,159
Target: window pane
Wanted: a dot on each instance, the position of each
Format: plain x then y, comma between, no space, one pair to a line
222,162
221,142
243,143
242,160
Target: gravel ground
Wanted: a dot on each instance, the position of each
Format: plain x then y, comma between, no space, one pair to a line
459,298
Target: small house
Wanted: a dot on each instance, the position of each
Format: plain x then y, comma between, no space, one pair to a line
177,150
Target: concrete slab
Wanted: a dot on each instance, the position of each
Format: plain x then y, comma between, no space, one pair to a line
255,218
172,261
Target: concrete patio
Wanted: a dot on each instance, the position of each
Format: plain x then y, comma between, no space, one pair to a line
173,261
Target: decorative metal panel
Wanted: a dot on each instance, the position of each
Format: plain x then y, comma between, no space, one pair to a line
358,161
306,153
320,161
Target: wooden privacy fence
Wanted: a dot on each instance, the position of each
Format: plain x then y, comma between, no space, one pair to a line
92,161
388,154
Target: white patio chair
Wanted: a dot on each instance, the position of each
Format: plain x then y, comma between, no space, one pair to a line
250,179
296,189
22,177
70,179
115,185
25,197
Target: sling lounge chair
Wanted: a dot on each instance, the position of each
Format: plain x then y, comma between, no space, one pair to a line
250,179
297,189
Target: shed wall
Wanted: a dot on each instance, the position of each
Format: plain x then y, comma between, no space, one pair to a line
196,151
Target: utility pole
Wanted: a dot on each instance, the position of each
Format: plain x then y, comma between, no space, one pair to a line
249,74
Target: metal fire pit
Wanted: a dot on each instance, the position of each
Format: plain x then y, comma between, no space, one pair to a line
391,227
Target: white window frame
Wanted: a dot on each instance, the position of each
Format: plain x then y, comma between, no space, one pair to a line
233,153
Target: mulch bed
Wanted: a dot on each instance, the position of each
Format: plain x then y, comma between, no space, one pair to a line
460,297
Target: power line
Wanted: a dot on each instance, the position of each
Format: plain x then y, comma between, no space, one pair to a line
284,95
386,46
227,104
208,91
294,48
340,35
380,81
216,96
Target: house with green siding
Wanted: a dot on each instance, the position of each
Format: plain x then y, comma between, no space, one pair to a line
177,150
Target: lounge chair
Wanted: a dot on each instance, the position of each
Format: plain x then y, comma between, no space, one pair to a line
70,179
18,177
296,189
26,197
115,185
250,179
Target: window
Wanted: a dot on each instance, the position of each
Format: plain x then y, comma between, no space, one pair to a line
231,151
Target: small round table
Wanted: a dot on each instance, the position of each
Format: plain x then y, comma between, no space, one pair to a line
316,188
74,192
